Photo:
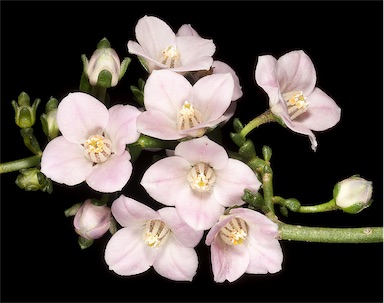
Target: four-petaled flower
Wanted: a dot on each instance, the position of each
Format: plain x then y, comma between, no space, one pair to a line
175,109
151,238
200,180
290,83
244,241
160,48
92,147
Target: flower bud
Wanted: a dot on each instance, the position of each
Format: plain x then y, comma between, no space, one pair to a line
104,59
31,179
25,114
353,194
92,221
48,119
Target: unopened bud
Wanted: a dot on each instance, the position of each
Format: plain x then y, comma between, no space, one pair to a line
25,114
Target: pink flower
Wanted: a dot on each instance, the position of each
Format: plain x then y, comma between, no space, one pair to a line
92,147
290,83
200,180
175,109
244,241
92,221
160,48
151,238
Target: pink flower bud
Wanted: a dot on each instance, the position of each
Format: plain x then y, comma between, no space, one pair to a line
92,221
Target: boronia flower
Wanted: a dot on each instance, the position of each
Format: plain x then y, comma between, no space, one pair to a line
92,147
244,241
92,221
200,180
151,238
158,47
175,109
290,83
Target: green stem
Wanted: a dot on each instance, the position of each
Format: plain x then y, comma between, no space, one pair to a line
265,117
268,189
324,207
330,234
19,164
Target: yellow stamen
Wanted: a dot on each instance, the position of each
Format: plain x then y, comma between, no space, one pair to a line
97,148
156,233
201,177
297,103
171,56
234,232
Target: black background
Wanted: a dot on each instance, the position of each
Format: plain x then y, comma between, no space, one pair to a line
41,45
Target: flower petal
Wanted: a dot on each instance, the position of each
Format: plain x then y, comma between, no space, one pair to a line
183,233
299,72
266,78
112,175
122,129
164,179
80,115
220,67
202,150
64,162
176,262
131,213
127,254
323,113
232,180
228,262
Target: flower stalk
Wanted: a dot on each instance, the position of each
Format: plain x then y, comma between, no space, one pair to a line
330,234
16,165
265,117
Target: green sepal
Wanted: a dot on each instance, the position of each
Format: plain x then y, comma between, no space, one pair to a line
71,211
31,179
279,120
124,66
143,63
25,114
254,199
104,79
103,43
98,202
113,226
356,208
84,243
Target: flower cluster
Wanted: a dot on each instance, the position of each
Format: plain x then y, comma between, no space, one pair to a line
206,194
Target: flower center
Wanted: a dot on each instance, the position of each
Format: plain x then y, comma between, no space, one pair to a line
156,233
297,104
234,232
201,177
188,117
171,56
97,148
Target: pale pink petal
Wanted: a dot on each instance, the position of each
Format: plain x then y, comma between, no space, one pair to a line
199,210
220,67
266,78
122,129
196,53
167,91
136,49
164,179
302,129
229,113
154,35
80,116
299,71
228,262
130,213
156,124
64,162
176,262
323,113
186,30
202,150
127,254
213,95
111,175
232,180
182,232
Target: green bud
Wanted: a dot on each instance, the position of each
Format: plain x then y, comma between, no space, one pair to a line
254,199
31,179
48,119
292,204
283,210
25,114
237,125
237,138
247,150
353,194
30,140
267,153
